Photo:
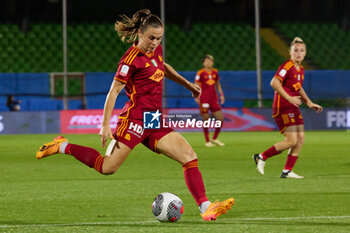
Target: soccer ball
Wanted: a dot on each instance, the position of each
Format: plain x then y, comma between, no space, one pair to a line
167,207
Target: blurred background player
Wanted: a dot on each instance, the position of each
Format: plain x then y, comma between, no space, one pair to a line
208,79
140,72
289,93
12,104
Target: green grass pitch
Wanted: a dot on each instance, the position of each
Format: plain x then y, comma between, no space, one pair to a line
60,194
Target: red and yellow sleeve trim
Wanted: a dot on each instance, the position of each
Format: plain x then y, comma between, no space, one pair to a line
120,80
288,65
133,53
200,72
278,77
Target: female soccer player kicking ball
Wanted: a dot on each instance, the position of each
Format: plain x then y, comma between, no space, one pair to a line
289,92
208,79
140,72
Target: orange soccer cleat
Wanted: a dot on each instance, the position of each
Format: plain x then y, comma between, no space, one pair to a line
50,148
216,209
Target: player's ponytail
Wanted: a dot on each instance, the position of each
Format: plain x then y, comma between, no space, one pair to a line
296,40
127,28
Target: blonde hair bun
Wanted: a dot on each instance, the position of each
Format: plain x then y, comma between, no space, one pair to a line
296,40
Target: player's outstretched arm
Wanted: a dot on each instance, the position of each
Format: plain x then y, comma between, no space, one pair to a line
105,132
222,97
171,74
308,102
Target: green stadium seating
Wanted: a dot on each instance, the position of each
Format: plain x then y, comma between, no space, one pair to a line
97,47
327,45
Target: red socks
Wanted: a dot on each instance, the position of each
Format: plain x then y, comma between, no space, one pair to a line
206,134
194,181
290,162
269,153
86,155
216,133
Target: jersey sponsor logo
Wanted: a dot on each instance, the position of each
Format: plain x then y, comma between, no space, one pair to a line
151,120
297,86
147,65
210,82
282,73
154,62
135,129
124,70
157,76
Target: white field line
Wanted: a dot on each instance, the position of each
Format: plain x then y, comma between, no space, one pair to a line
154,221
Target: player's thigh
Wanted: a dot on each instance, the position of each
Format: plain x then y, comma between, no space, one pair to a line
291,135
176,147
301,133
218,115
112,163
205,116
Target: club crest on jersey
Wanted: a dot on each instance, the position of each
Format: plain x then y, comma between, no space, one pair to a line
124,70
154,62
151,120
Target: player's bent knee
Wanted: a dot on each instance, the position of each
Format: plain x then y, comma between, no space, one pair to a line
108,171
301,140
189,156
292,143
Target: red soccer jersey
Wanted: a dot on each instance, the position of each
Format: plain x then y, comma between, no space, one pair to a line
207,81
143,74
292,81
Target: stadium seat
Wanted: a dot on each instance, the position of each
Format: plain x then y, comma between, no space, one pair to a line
233,49
326,43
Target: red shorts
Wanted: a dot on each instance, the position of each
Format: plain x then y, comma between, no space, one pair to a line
213,106
131,132
285,120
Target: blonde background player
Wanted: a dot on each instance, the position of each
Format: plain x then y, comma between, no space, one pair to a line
209,80
289,94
